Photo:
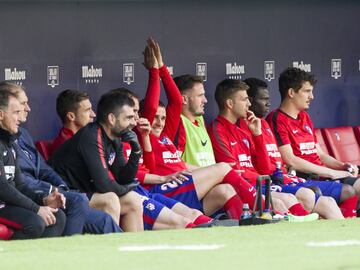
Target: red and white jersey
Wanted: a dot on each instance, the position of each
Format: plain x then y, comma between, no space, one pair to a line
167,157
271,148
233,145
299,133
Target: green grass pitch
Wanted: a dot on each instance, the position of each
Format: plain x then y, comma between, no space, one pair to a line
276,246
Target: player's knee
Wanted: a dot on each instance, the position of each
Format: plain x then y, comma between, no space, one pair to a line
347,192
305,195
110,202
133,201
326,201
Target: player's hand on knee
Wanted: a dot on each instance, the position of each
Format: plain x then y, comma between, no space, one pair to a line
47,214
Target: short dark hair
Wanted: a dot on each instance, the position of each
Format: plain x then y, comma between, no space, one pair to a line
187,81
293,78
125,91
254,86
112,102
11,87
68,101
4,98
225,89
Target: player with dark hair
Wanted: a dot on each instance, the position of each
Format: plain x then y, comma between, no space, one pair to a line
199,183
75,111
30,214
295,137
40,177
92,160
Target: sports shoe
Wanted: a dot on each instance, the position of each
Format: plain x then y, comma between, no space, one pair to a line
307,218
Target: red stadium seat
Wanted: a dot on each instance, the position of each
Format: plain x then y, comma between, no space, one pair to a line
44,148
321,141
342,144
5,232
357,133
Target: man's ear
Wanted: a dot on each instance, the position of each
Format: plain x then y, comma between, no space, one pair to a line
185,99
111,119
291,92
229,103
70,116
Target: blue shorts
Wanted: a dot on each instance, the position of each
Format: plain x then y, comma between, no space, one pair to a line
151,207
184,193
328,188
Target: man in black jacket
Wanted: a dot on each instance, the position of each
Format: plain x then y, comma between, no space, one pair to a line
93,161
31,215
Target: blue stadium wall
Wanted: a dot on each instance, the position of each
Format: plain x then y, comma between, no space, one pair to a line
96,46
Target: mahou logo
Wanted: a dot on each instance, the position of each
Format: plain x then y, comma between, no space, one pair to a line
91,74
301,65
15,75
234,71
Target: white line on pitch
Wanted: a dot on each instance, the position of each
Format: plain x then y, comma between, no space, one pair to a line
337,243
170,247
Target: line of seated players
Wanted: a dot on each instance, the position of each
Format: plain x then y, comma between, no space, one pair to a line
186,173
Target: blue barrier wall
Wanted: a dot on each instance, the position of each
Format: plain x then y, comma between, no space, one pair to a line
219,39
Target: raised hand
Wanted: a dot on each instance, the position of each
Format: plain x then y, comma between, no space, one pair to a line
156,49
150,60
143,126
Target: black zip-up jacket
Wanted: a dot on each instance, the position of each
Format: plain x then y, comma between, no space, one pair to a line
91,162
13,191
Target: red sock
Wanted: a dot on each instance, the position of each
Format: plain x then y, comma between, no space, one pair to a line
202,219
233,207
246,192
298,210
349,207
190,225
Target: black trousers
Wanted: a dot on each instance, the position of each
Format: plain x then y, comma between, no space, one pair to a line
29,225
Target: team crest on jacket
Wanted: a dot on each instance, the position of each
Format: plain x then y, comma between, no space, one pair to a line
268,130
111,158
246,142
308,129
165,140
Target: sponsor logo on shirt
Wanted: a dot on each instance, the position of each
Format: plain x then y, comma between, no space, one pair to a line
234,71
336,68
295,131
272,150
128,152
301,65
204,158
245,161
128,73
169,157
15,75
269,70
307,148
203,143
111,158
233,143
53,76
